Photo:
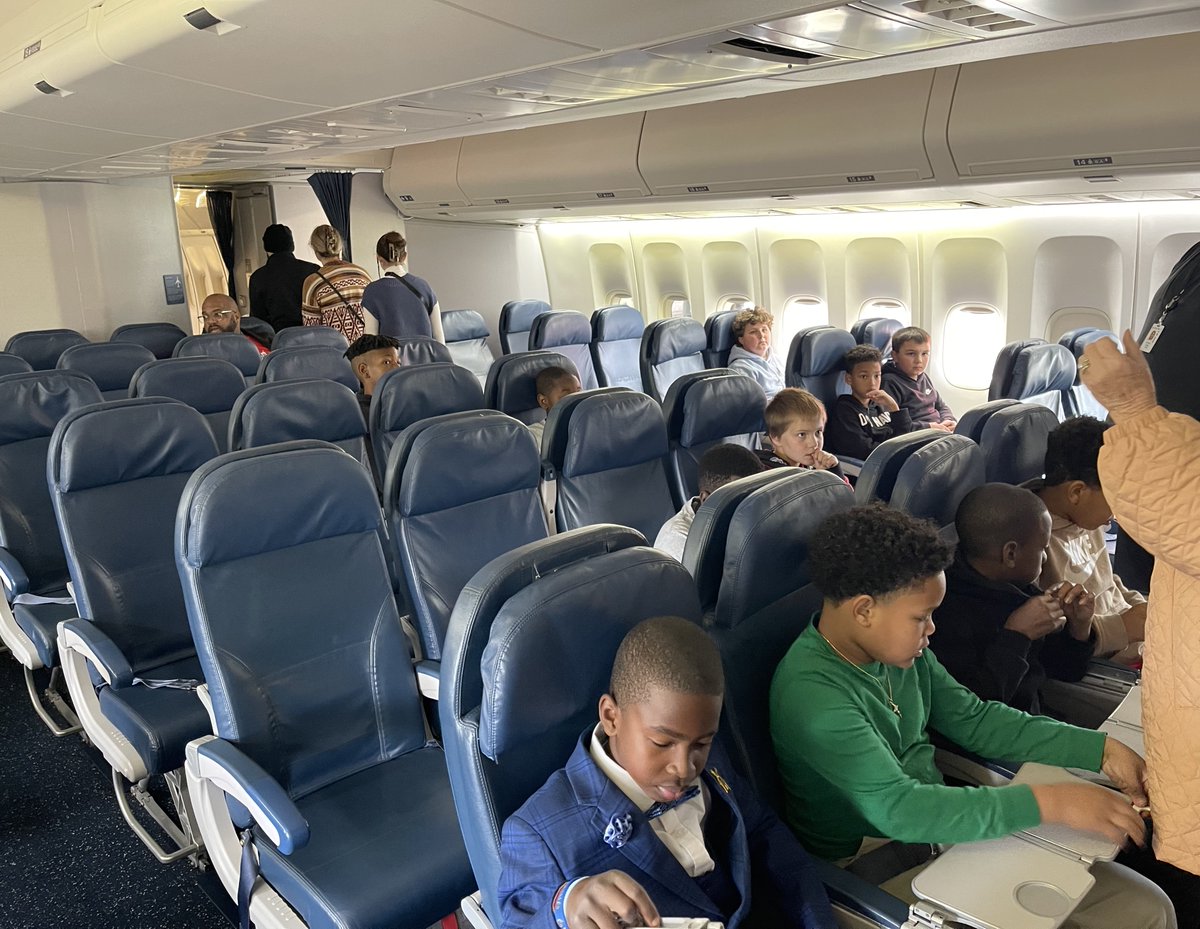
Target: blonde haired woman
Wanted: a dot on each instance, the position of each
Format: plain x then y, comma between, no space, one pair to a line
400,304
332,296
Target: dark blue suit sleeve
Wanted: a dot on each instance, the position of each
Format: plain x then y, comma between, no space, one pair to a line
529,876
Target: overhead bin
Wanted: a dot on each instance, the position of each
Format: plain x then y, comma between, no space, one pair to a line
1119,108
851,135
587,162
423,176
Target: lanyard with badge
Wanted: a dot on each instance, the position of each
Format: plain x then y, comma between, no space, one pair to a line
1160,324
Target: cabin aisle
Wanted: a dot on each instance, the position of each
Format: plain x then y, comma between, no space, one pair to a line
67,859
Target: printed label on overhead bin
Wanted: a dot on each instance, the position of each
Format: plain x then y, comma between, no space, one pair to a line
1094,160
859,178
698,189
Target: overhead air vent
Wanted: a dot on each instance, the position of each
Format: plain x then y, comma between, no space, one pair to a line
203,20
768,51
970,15
50,90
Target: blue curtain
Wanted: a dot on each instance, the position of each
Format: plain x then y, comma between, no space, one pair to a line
333,191
220,212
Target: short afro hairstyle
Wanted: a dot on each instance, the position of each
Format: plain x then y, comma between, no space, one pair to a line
749,318
549,378
369,343
876,551
790,404
724,463
908,334
861,355
670,653
1073,451
992,515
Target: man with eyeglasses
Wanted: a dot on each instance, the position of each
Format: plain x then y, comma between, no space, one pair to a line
219,313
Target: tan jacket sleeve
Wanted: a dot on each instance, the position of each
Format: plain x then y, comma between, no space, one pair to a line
1150,470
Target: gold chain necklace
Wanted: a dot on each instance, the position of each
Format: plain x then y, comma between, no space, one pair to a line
890,700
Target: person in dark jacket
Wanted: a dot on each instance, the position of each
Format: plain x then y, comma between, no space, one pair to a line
275,287
867,415
905,379
997,633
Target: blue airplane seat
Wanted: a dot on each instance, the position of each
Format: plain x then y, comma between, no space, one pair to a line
718,330
569,333
209,385
670,348
511,384
516,319
13,364
705,409
306,361
232,347
418,350
971,423
320,736
815,362
1080,400
447,523
616,342
1039,372
281,411
297,336
1002,368
606,450
33,565
879,472
161,338
467,340
407,395
1014,442
116,475
934,479
110,364
876,331
527,656
42,347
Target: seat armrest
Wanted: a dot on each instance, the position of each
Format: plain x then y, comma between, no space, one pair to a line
429,678
851,467
86,638
244,780
851,892
12,575
1119,674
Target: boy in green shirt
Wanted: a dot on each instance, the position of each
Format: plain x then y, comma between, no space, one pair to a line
852,700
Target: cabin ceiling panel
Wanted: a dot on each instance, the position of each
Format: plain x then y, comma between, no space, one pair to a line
49,136
1092,11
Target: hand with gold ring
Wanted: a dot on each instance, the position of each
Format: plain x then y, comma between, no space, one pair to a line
1121,382
1082,364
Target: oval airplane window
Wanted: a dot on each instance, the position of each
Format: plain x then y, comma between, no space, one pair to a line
734,302
676,306
973,336
617,298
885,308
799,313
1075,317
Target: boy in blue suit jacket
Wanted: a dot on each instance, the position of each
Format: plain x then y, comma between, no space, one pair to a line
639,823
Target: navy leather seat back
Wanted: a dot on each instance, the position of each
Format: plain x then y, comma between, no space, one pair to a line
320,685
814,362
670,348
306,361
764,602
160,338
879,472
31,405
408,395
1014,442
304,409
935,478
1080,400
209,385
41,347
419,350
703,410
298,336
1002,369
527,656
232,347
718,329
13,364
616,343
110,364
117,472
447,523
608,449
971,423
512,383
877,331
570,334
1042,373
516,319
467,340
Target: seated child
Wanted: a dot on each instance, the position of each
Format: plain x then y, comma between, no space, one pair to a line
718,466
998,633
867,415
851,704
796,427
1077,555
553,384
639,823
372,356
905,379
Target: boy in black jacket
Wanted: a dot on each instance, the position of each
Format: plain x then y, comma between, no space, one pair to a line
905,379
997,633
867,415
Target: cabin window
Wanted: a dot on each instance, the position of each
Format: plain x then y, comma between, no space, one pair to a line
617,298
885,308
1063,320
973,336
798,313
676,306
735,302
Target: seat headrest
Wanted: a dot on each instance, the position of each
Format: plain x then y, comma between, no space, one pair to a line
289,481
598,430
128,440
461,325
42,347
971,423
307,361
935,478
719,329
228,346
1001,384
562,327
160,338
1041,368
1086,338
674,338
493,455
33,402
512,381
518,315
13,364
879,332
617,323
878,476
296,336
209,385
109,364
822,351
419,350
1014,441
316,408
702,408
405,395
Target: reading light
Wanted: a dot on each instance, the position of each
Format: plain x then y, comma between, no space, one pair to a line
50,90
203,20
